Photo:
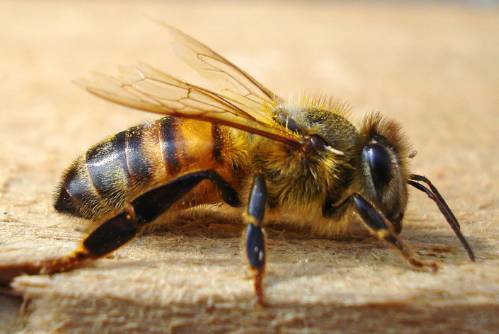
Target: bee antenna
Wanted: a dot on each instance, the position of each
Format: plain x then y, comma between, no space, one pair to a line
433,193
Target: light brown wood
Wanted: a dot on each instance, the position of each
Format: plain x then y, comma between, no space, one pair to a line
434,69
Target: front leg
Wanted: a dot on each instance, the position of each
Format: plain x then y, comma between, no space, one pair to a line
376,222
255,236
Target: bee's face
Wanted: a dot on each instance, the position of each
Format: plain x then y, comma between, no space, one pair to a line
383,180
384,177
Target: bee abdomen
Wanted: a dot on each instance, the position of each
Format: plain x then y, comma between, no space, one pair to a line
104,178
76,194
123,167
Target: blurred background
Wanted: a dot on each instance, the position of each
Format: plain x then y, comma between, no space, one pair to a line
432,66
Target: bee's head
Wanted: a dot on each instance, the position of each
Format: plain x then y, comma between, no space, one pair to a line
383,167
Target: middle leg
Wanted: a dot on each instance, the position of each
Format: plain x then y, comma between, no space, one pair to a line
255,236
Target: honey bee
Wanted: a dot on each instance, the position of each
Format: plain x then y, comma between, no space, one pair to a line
243,145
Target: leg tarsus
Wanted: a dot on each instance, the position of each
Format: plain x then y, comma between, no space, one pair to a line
46,267
395,242
258,286
381,227
65,263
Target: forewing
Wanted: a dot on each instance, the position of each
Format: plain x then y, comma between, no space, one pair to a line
146,88
231,81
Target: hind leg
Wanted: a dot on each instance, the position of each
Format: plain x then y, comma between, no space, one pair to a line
123,227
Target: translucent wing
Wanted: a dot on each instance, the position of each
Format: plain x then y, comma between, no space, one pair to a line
234,83
146,88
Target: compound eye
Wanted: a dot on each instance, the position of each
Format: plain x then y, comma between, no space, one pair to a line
380,164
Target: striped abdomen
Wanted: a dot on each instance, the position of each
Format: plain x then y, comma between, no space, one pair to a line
121,168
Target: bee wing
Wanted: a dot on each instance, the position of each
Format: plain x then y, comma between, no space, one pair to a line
146,88
231,81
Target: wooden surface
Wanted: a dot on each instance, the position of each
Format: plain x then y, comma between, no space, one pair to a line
434,69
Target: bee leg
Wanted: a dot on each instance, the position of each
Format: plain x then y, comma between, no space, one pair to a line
109,236
255,236
120,229
377,224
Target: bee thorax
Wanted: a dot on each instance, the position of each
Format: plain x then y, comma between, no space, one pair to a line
295,177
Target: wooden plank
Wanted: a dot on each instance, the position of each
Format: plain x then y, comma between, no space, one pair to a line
437,74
